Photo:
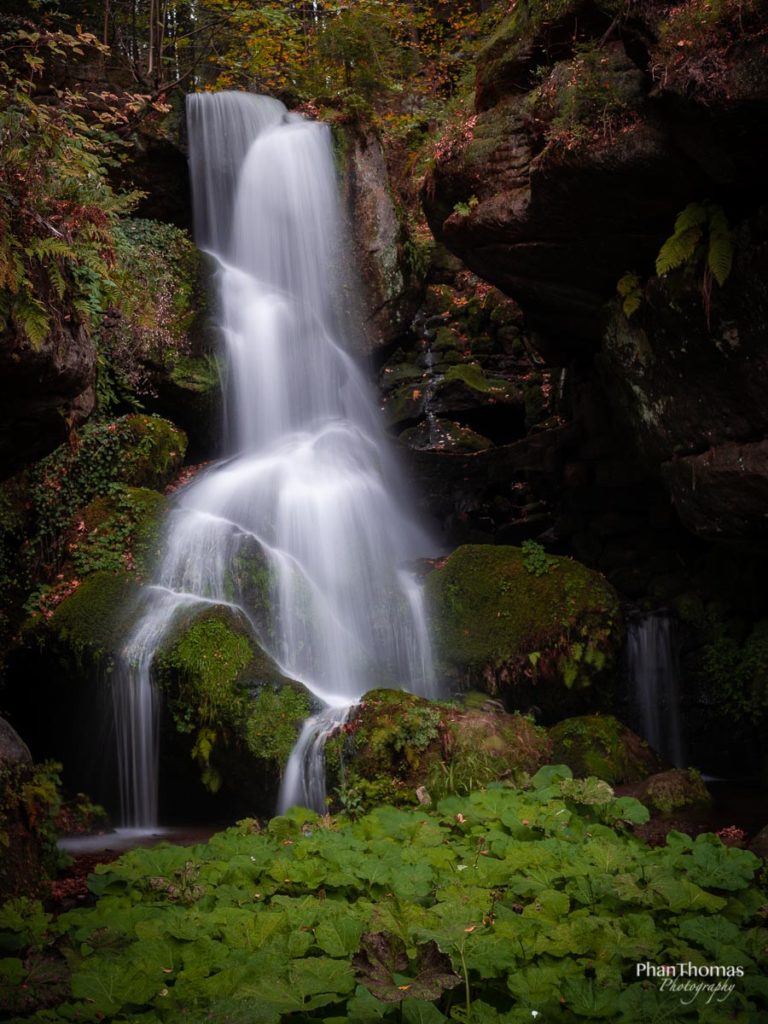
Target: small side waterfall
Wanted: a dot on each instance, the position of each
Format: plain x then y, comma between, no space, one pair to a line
311,489
654,684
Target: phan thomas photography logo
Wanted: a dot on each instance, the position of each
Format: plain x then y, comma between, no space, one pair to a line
712,982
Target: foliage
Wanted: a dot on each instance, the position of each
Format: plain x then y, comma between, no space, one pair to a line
630,290
57,210
736,666
134,450
591,102
151,317
227,695
30,796
484,909
701,236
536,561
694,51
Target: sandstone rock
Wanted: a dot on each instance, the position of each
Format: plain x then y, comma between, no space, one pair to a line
722,493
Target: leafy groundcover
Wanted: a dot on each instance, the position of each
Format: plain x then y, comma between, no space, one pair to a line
529,905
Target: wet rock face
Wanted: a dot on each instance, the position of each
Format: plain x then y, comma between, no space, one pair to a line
45,391
723,492
379,238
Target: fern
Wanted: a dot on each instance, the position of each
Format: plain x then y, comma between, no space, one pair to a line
720,249
630,290
694,215
702,234
31,316
678,250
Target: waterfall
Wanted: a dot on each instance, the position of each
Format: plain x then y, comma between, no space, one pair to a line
654,684
310,484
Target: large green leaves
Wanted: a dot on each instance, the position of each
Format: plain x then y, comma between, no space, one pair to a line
490,908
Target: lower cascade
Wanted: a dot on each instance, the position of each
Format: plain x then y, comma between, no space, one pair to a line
310,490
654,684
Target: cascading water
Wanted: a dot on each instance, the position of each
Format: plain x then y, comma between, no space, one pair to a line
311,488
654,686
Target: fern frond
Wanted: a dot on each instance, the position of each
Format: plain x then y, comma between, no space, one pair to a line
57,279
678,249
720,255
630,289
50,248
694,215
31,316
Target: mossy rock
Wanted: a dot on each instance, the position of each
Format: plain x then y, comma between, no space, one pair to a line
542,628
674,790
398,373
236,712
602,746
119,532
444,435
199,374
30,800
154,451
404,405
396,743
91,622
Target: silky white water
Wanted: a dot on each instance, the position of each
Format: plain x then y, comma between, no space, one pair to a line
310,494
654,684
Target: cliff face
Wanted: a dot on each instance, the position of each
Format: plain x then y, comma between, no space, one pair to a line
46,390
594,128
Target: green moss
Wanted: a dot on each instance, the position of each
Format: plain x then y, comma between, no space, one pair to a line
196,373
404,404
153,452
600,745
445,338
395,374
444,435
228,696
121,532
674,790
209,657
274,722
495,623
396,742
473,376
92,619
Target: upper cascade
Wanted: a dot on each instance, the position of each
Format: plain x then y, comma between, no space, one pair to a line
311,483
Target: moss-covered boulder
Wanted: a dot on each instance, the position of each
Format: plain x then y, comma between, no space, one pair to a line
675,790
29,802
539,628
400,748
600,745
230,708
153,451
